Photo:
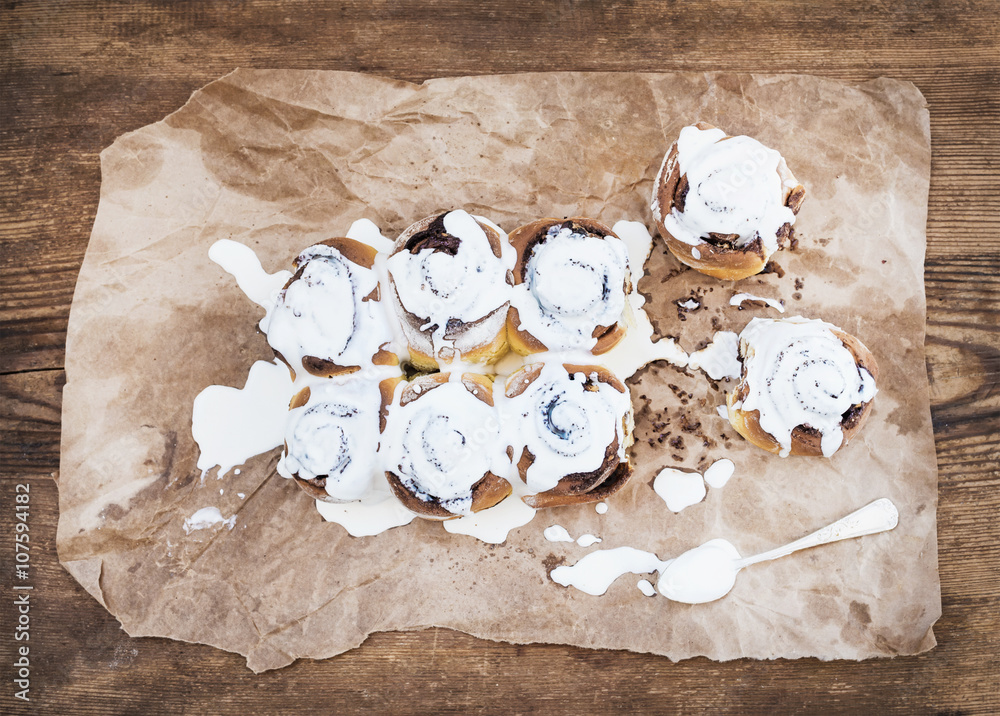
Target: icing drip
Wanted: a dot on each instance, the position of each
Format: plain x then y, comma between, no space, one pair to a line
679,489
566,421
335,435
453,277
376,512
207,517
556,533
646,587
719,472
242,263
799,373
441,444
326,312
573,283
493,525
596,571
231,425
720,358
637,348
733,188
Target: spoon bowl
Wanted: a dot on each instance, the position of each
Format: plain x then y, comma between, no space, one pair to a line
708,572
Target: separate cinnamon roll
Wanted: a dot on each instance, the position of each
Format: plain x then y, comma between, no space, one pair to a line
326,320
723,204
568,428
570,284
332,436
806,387
450,286
441,445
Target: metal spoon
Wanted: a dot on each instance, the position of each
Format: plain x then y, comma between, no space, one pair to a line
708,572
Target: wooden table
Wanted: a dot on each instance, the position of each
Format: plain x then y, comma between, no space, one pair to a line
78,74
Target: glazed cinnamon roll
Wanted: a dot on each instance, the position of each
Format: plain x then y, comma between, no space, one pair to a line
568,428
806,387
441,445
450,287
332,436
723,204
326,320
570,284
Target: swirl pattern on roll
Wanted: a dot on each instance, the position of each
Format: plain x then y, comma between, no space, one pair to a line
326,320
449,277
801,374
567,427
441,446
331,439
724,204
570,285
734,191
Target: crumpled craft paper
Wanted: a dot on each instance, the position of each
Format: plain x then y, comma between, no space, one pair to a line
281,159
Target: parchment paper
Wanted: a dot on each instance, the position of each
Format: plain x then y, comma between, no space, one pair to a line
281,159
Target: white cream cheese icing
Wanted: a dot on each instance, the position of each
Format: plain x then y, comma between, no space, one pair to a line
679,489
734,187
440,288
207,517
557,533
720,358
335,435
799,373
303,324
574,282
232,425
566,421
441,444
595,572
719,472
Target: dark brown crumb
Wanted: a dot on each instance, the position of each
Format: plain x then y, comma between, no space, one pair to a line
775,268
551,562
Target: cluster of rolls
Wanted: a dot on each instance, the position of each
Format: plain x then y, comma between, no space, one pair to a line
724,205
453,296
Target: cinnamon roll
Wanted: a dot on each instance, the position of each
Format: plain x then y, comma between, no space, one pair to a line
570,284
568,427
441,445
332,436
806,387
450,286
723,204
326,320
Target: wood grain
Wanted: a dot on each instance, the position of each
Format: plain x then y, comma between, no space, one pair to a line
78,74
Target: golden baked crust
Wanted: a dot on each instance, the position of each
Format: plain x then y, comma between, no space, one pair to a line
523,239
805,441
720,259
489,490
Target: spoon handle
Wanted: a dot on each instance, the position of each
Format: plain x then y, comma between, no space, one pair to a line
878,516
